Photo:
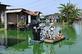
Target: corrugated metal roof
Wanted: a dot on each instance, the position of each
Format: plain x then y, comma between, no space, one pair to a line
21,9
13,11
31,13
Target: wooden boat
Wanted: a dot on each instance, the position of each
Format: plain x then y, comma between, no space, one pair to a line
49,40
57,38
36,41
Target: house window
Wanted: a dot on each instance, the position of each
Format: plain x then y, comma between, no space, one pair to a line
22,20
23,17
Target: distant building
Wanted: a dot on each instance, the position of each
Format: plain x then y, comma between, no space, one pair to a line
53,17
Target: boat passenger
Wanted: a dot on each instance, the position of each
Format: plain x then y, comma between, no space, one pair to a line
47,35
59,36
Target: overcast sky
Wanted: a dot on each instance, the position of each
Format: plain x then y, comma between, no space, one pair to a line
45,6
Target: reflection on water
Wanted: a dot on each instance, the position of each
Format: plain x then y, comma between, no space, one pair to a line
7,41
70,33
49,48
17,42
38,49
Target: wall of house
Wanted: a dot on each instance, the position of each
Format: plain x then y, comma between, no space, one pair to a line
24,17
18,19
11,18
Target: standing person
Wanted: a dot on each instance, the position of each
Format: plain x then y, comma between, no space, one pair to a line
34,33
52,29
38,34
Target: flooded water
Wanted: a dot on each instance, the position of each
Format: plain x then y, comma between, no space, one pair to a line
17,42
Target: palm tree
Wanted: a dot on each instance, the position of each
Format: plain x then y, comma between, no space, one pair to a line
69,12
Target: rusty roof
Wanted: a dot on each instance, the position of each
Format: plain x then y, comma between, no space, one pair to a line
34,13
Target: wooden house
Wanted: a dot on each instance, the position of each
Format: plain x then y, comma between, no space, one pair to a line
20,17
2,12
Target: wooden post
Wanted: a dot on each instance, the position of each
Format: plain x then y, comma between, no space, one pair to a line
5,21
2,17
29,19
17,22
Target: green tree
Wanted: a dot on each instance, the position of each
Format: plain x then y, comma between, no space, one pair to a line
69,12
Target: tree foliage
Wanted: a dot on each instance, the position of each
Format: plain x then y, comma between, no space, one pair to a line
69,12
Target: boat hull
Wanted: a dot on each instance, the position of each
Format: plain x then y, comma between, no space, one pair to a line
53,40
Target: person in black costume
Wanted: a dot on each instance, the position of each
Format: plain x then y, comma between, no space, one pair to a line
36,33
